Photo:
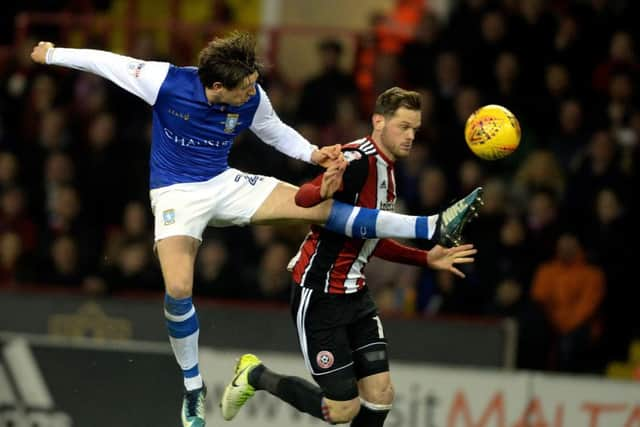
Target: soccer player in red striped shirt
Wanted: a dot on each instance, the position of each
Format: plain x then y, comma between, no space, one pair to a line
339,329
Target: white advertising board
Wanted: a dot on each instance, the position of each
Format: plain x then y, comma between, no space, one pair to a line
431,396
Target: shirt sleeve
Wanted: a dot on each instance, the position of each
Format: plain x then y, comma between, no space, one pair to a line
354,178
308,195
393,251
269,128
141,78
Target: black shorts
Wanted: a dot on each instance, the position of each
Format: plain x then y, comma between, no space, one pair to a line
341,338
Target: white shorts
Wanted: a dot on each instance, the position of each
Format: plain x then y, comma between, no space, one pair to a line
230,198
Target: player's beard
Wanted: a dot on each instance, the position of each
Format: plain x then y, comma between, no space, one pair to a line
389,148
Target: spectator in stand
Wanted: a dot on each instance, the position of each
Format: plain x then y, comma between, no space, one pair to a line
433,189
398,26
15,218
392,285
483,51
59,171
448,73
471,174
16,267
543,225
622,58
533,24
42,97
620,105
347,126
465,101
320,94
570,291
506,87
51,134
484,231
408,175
464,22
569,46
100,155
9,170
215,275
600,21
511,299
135,269
274,282
64,218
135,225
419,54
61,265
569,135
16,76
607,237
539,171
557,86
598,167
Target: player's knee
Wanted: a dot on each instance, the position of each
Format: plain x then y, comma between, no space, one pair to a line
381,395
343,411
179,288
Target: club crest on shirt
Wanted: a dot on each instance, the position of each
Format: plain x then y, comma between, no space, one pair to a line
352,155
135,67
169,216
231,122
325,359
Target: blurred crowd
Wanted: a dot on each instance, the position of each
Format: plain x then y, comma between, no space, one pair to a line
554,237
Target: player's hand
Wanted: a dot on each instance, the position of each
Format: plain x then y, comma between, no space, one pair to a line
440,258
332,179
326,155
39,52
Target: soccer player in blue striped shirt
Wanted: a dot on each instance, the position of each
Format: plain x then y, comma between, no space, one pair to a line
197,113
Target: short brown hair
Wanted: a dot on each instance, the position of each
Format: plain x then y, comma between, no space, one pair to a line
392,99
228,60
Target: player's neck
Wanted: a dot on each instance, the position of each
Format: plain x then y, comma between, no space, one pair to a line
376,137
212,96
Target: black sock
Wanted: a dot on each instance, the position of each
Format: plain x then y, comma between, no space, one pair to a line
299,393
368,417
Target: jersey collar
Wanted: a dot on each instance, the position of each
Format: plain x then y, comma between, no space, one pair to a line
380,152
200,94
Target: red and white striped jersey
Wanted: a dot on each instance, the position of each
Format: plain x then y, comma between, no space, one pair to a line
334,263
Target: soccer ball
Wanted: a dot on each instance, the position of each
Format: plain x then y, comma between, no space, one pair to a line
492,132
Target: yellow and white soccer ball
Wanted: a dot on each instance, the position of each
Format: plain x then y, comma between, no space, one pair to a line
492,132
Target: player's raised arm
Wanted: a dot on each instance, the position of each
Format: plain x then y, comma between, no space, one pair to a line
141,78
323,187
270,129
437,258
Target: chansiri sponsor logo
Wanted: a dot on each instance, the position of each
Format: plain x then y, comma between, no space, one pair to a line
191,142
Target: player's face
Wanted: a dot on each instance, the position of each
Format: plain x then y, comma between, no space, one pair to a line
399,132
241,93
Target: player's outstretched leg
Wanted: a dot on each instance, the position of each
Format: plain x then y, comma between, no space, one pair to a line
452,220
251,375
444,228
238,391
357,221
193,407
